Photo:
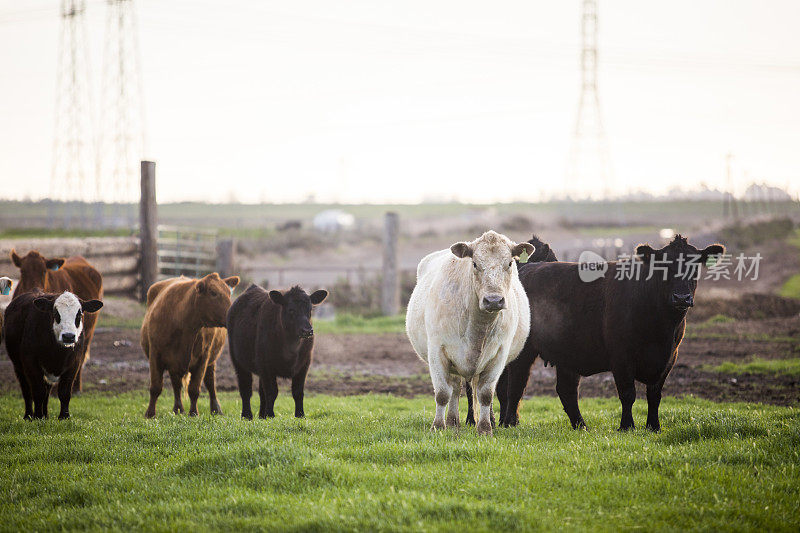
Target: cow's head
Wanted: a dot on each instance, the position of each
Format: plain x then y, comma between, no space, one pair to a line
296,307
682,263
493,268
213,299
33,269
66,312
5,285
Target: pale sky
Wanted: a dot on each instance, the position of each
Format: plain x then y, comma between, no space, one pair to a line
400,101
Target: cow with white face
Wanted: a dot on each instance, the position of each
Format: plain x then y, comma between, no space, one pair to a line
45,339
467,318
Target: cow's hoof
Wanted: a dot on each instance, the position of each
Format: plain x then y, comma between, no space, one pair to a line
27,417
485,428
580,424
215,409
247,416
193,412
437,425
627,428
63,416
299,415
453,422
177,410
655,428
150,413
470,421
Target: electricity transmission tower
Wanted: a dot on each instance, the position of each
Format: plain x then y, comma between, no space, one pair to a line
121,141
588,168
70,183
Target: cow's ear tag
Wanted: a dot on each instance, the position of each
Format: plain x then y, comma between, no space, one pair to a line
523,257
6,291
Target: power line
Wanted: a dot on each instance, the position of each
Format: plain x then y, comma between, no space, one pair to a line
588,167
72,146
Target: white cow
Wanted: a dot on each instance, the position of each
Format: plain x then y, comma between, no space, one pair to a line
467,318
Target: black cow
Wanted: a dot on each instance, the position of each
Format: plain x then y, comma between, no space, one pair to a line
270,334
541,253
629,325
45,339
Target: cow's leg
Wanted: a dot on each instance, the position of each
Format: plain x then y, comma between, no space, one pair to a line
176,377
654,398
269,386
27,394
567,383
197,375
298,386
501,391
65,387
40,391
442,390
485,386
518,372
245,379
452,407
210,381
626,389
470,420
156,385
46,404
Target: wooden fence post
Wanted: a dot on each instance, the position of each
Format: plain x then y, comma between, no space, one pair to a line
226,257
148,229
390,290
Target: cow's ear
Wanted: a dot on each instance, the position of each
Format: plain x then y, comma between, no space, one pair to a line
201,286
232,281
526,247
54,264
277,297
461,249
317,297
711,251
17,260
45,305
91,306
645,252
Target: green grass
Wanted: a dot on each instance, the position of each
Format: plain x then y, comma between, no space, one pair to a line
720,319
758,365
356,324
369,463
791,288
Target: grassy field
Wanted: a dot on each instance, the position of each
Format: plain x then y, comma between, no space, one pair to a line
758,365
370,463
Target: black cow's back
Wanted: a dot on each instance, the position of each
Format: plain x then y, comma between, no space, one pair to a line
567,316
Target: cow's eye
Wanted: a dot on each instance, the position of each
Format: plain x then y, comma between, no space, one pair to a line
78,319
475,265
509,264
57,316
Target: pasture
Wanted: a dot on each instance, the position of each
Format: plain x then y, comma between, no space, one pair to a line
370,463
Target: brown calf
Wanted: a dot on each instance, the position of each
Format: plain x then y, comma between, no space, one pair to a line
57,275
184,333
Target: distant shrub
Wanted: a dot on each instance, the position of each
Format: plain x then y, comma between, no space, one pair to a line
365,298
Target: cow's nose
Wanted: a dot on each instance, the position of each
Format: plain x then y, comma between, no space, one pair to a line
68,338
682,300
307,332
494,302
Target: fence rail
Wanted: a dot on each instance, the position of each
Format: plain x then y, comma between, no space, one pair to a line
116,258
186,251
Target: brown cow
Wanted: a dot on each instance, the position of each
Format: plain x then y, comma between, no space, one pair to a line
57,275
184,333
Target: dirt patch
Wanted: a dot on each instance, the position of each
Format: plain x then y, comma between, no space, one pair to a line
746,306
356,364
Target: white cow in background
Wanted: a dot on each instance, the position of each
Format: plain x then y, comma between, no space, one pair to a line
467,318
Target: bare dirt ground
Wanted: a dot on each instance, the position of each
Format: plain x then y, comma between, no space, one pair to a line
385,363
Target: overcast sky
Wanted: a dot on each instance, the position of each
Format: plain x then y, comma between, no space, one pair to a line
365,101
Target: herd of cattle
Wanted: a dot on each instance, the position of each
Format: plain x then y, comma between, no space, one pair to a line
480,314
